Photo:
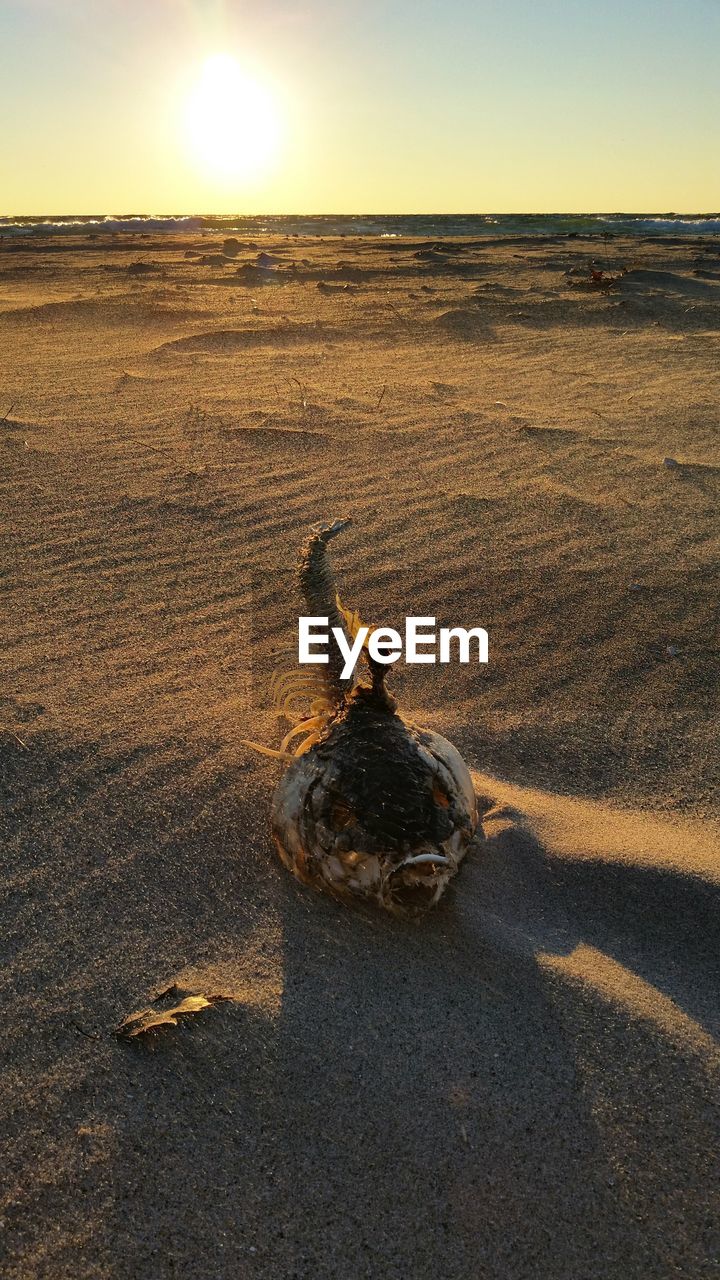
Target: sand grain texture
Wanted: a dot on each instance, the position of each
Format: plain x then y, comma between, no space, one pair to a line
524,1086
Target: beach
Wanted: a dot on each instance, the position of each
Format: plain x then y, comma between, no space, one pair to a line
525,433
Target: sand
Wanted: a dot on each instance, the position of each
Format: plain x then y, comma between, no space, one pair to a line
523,1086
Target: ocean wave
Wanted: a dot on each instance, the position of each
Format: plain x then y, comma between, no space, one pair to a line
696,224
107,225
416,226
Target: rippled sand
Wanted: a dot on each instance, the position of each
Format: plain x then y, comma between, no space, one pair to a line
525,1085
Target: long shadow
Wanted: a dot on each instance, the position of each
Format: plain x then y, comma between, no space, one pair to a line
426,1100
434,1116
447,1101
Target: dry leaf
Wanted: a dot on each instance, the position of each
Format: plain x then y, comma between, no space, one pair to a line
136,1024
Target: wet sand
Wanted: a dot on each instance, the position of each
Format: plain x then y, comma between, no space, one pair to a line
525,1085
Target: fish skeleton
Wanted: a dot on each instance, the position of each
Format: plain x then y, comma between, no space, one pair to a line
370,806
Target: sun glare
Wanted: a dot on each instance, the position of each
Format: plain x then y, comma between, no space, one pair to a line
231,121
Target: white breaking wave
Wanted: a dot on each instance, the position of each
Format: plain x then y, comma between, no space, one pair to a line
106,225
389,226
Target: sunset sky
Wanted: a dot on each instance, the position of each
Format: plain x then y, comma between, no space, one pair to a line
330,106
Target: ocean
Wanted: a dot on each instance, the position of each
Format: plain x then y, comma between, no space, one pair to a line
415,226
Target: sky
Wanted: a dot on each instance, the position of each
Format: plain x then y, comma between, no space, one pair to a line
353,106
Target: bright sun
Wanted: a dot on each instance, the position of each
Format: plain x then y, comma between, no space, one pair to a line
231,121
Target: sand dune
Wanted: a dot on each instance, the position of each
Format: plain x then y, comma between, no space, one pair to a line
670,282
118,309
524,1086
229,341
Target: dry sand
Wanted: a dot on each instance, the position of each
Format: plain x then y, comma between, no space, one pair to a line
525,1085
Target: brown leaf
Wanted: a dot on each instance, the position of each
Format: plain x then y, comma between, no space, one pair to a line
137,1024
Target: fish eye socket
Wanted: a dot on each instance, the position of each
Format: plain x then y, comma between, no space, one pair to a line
440,796
341,815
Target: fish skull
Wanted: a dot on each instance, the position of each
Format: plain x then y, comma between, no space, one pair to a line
377,809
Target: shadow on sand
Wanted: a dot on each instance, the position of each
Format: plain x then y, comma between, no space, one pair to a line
383,1100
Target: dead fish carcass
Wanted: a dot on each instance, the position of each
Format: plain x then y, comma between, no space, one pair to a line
370,806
